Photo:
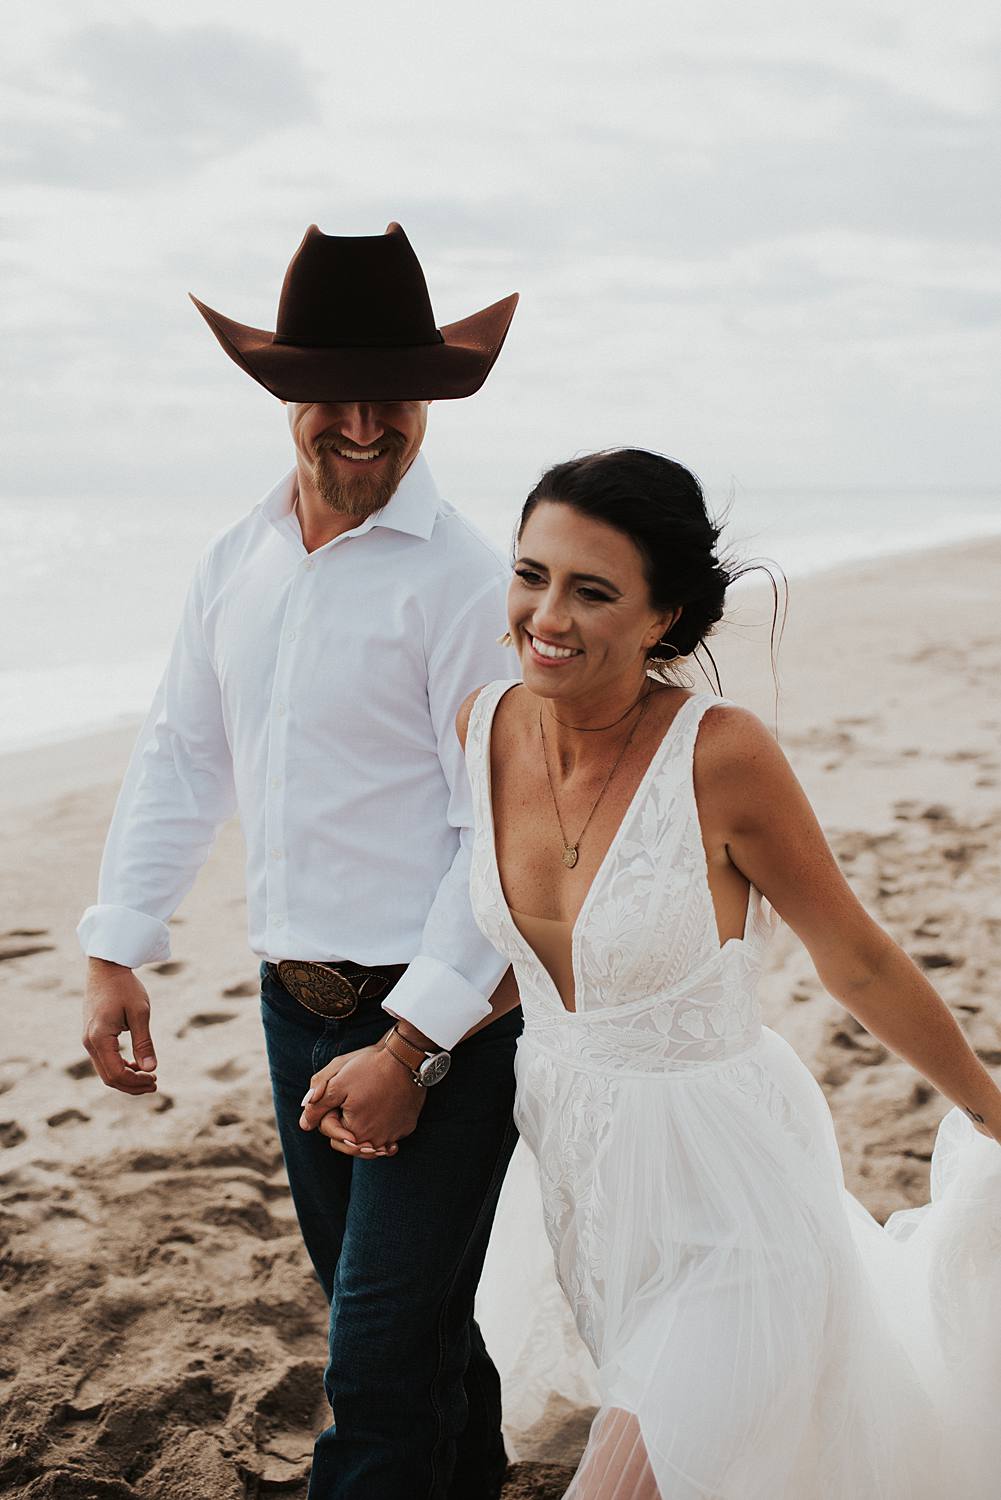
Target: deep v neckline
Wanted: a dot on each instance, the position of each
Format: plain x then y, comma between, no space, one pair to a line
599,874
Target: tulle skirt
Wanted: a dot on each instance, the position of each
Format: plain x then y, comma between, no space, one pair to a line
747,1330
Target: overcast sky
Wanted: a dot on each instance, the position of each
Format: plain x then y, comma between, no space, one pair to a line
762,237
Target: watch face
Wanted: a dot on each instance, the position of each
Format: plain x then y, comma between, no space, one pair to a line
434,1069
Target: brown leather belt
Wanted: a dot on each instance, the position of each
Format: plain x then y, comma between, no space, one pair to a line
334,990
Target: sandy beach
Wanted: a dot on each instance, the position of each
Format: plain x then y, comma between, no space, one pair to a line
163,1336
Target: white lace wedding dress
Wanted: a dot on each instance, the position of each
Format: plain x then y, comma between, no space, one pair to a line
771,1339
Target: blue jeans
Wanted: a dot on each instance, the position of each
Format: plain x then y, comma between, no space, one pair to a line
398,1246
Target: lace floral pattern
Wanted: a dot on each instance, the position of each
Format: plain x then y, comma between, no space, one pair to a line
653,986
573,1132
656,995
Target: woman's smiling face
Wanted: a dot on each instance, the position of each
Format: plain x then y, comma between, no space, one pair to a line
579,606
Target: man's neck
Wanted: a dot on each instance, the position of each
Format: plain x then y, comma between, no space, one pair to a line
317,522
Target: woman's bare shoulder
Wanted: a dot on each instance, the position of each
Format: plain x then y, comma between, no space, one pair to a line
729,731
742,776
465,709
462,717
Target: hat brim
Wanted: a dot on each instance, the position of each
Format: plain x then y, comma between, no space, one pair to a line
456,367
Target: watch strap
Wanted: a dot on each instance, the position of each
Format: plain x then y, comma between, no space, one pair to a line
392,1041
413,1055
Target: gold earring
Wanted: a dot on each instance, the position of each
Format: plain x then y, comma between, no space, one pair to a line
505,639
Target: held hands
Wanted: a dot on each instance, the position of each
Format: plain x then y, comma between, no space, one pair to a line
364,1102
115,1001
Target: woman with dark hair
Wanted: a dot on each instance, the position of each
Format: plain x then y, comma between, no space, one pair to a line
757,1335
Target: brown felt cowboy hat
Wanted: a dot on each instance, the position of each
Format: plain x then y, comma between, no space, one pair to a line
355,324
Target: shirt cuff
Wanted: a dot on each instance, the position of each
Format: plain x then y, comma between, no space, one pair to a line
437,1000
123,936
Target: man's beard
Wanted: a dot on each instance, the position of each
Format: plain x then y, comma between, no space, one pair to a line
364,490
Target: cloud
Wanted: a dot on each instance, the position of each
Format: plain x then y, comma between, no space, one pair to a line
738,240
122,105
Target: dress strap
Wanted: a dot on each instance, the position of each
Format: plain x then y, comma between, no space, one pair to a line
694,712
478,730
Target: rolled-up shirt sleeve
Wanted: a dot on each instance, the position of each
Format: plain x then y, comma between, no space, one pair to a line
177,791
446,987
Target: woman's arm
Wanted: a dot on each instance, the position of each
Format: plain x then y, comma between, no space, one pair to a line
755,811
462,717
505,997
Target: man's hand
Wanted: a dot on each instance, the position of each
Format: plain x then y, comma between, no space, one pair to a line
364,1102
114,1002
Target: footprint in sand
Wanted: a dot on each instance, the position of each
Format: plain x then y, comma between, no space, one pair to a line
867,1051
172,966
82,1069
226,1072
11,1134
12,1070
937,812
938,961
207,1018
67,1117
13,944
287,1408
23,950
147,1161
237,1206
241,989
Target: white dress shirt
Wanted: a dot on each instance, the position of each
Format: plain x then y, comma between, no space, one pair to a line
316,693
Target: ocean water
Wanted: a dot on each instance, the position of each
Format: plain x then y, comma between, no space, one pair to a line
92,589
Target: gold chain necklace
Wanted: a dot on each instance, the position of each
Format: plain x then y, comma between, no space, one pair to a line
600,728
570,851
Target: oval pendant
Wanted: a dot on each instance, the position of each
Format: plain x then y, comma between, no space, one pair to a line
569,856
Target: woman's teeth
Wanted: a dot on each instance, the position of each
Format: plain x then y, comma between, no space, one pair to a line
545,649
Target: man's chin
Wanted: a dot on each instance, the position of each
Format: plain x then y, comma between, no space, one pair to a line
354,494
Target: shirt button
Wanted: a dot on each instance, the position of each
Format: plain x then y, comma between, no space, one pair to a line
276,782
278,921
276,854
309,565
281,710
293,635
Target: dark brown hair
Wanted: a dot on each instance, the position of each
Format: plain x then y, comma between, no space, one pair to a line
660,506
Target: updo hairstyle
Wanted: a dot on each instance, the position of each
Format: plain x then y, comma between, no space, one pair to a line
660,506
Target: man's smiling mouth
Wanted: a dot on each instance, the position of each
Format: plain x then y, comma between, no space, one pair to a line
359,455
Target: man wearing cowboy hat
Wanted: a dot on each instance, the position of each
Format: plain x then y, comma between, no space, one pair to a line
327,640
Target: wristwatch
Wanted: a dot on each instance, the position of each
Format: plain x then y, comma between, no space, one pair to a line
425,1068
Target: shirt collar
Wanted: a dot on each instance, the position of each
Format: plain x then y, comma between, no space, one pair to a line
412,509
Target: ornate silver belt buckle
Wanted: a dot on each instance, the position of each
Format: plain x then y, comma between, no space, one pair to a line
320,989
